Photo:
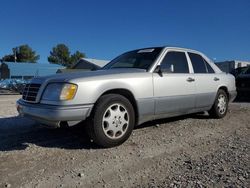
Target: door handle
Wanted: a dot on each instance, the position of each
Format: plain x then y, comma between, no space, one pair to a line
190,79
216,79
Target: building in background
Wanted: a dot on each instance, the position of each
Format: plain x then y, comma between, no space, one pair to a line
27,70
229,66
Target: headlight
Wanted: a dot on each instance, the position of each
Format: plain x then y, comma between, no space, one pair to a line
59,91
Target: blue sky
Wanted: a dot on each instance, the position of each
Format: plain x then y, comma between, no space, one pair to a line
104,29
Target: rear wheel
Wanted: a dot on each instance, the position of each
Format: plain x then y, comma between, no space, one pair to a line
112,120
220,106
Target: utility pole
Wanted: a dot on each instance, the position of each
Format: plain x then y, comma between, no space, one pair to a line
15,58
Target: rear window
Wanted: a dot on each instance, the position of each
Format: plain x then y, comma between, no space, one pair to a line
200,65
209,68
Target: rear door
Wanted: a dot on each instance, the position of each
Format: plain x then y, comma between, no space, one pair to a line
174,91
206,81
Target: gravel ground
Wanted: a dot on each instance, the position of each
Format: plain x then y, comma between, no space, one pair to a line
188,151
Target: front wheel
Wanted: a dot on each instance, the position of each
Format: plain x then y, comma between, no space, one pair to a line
220,106
112,120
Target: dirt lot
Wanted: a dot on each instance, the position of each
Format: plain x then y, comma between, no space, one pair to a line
189,151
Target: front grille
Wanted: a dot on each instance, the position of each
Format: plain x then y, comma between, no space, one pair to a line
30,92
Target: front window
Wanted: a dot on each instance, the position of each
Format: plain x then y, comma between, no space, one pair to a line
139,59
177,60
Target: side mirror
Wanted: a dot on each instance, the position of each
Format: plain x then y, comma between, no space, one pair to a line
158,70
161,70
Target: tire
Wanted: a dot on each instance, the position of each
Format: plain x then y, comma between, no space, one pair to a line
112,121
220,106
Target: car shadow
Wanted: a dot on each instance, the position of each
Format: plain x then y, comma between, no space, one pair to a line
201,115
18,133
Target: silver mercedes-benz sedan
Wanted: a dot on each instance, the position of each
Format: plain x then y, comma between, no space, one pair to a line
137,86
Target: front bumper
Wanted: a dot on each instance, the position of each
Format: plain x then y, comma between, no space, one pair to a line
53,115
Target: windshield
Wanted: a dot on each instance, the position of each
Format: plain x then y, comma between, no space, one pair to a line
247,70
139,59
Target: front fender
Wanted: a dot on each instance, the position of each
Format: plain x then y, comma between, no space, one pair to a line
90,91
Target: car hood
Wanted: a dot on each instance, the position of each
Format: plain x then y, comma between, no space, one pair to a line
67,77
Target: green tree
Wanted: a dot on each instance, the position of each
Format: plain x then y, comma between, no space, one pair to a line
22,53
61,55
